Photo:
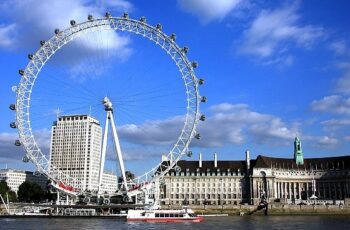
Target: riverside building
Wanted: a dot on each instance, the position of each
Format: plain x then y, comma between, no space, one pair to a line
76,149
14,178
295,180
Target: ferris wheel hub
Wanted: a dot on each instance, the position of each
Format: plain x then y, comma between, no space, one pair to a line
107,104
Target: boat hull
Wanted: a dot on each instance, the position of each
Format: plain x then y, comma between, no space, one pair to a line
169,220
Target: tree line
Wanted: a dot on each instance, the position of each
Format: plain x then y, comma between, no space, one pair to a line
28,192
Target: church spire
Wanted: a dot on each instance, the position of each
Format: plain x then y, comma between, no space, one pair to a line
298,152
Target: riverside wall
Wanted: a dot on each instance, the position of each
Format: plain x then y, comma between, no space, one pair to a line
273,209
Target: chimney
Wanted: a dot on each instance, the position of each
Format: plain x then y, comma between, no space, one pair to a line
215,160
247,158
200,160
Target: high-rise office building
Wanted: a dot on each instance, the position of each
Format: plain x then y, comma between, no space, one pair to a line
76,149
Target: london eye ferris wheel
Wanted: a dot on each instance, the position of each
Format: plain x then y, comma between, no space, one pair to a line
146,99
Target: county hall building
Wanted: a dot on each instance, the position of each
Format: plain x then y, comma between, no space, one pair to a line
295,180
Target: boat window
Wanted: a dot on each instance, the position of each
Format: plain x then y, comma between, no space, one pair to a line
181,215
142,214
172,214
176,215
161,214
166,214
157,215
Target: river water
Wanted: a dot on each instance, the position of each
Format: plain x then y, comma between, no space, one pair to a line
211,223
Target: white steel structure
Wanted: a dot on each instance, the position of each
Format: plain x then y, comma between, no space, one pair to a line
48,48
76,149
109,109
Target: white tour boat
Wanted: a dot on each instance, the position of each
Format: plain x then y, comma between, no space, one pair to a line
154,215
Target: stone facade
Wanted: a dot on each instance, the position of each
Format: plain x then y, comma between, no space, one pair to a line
295,180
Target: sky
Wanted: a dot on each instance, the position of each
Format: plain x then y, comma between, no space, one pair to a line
273,71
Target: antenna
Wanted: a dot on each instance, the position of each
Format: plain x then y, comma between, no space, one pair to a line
57,113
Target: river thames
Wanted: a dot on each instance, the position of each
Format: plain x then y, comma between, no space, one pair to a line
233,222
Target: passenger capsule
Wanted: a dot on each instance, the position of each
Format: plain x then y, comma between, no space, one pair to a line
25,159
202,117
13,125
189,153
203,99
177,169
201,81
72,22
17,143
21,72
194,64
90,17
57,31
198,136
106,201
12,107
125,15
185,50
36,173
42,42
159,27
143,19
173,37
107,15
30,56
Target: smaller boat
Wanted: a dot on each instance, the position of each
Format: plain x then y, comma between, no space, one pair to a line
164,216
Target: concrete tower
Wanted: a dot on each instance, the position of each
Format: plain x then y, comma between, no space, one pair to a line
76,148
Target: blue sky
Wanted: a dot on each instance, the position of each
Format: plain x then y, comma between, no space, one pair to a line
273,70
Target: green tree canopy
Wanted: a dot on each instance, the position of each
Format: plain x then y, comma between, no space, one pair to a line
30,192
5,189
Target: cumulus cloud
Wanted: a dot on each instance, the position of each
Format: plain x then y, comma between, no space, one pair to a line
11,152
226,124
158,132
332,104
343,82
336,122
339,47
327,141
7,32
33,20
209,10
273,31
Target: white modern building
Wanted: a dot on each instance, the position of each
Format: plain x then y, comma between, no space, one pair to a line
14,178
75,149
109,182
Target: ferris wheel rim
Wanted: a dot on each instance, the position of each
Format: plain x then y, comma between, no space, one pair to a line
47,50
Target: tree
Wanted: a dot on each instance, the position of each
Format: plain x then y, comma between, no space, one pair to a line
5,190
30,192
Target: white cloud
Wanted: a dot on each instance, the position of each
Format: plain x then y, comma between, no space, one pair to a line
7,32
327,141
227,124
9,151
272,32
343,83
332,104
158,132
209,10
336,122
36,20
339,47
